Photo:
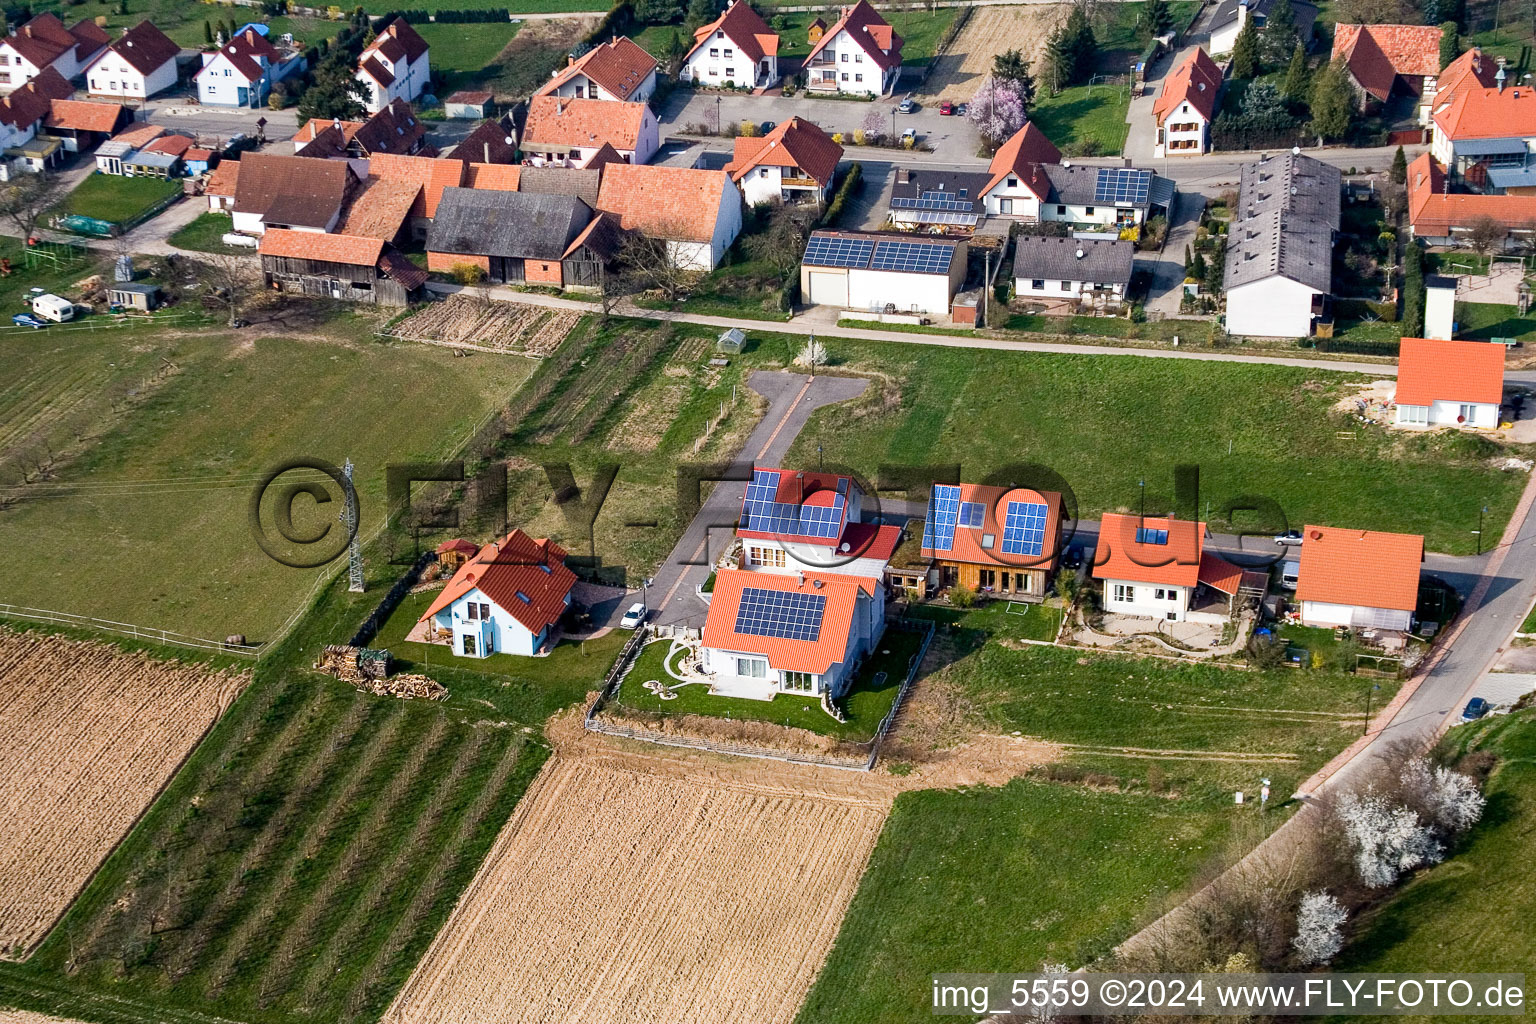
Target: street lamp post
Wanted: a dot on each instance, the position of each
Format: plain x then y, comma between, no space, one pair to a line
1479,531
893,125
717,115
1366,728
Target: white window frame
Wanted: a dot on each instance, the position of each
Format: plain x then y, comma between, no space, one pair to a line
1125,593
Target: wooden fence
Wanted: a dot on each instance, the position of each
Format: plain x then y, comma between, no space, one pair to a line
168,637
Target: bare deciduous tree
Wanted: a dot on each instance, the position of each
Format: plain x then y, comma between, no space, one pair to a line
27,198
1484,233
655,262
230,280
781,243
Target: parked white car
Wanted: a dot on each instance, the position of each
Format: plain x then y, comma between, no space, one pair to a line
634,617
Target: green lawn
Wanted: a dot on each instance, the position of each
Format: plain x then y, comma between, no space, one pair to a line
205,234
1085,119
1479,321
462,54
1529,625
1003,879
1252,430
865,706
999,618
1472,912
160,497
117,199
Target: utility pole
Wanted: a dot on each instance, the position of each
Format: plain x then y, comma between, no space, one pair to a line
986,283
354,546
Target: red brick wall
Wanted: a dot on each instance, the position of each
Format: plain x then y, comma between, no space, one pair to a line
444,262
542,272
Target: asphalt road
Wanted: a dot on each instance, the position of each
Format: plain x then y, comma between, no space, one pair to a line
220,122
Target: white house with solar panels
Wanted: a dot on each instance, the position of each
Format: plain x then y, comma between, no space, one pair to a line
805,603
882,273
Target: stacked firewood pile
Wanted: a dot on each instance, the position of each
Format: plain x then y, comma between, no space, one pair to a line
406,687
367,668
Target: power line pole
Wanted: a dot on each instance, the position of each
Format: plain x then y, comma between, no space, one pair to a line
354,546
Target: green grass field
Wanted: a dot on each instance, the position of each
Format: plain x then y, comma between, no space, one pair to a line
1480,321
1471,912
1085,117
1252,430
462,54
205,234
159,494
117,199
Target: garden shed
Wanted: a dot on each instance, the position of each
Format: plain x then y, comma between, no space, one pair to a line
731,341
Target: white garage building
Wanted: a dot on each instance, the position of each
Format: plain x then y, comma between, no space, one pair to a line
1279,269
882,273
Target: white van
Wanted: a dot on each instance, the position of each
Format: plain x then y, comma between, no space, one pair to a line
53,308
1290,573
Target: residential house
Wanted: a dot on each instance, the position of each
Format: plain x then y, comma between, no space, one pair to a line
568,132
136,65
111,154
492,142
618,70
23,113
43,43
793,163
1232,15
1104,199
882,273
1449,384
1439,216
291,192
516,237
1388,60
1485,137
241,73
1186,107
433,176
507,599
1157,566
1018,186
468,103
161,158
998,540
938,201
1073,273
1358,578
1472,70
858,56
1279,259
395,129
350,267
83,125
220,188
697,213
807,602
395,66
737,49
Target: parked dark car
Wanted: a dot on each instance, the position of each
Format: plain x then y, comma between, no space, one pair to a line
28,320
1476,708
766,127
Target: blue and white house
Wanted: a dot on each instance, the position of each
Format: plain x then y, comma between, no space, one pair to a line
242,71
507,599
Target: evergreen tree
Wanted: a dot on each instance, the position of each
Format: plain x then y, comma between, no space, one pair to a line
700,12
1245,51
659,12
1215,269
207,32
1413,291
1400,166
1059,67
676,51
334,92
1083,43
1280,33
1010,66
1450,43
1157,18
1197,267
1189,262
1333,102
1296,79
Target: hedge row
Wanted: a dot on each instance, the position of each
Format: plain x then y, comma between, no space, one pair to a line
449,17
843,196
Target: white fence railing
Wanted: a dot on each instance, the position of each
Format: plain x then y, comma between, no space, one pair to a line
150,633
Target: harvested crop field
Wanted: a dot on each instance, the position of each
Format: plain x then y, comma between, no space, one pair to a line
991,30
497,326
617,894
93,733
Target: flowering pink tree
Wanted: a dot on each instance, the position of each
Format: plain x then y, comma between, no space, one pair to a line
997,111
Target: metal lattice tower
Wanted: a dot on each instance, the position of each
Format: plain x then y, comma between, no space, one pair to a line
354,546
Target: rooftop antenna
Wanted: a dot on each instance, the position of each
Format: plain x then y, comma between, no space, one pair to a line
354,546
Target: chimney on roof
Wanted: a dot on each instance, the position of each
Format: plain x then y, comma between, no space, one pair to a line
1498,77
487,151
801,573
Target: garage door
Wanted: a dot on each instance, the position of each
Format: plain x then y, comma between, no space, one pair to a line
829,289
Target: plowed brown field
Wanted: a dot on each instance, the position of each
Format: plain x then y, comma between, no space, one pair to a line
91,734
619,895
991,30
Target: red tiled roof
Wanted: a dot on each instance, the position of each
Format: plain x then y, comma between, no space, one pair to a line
831,644
194,154
458,544
139,134
175,145
371,67
1474,113
1359,568
526,578
1022,156
293,190
1435,213
379,208
675,203
224,179
431,174
33,102
500,177
354,250
970,541
470,96
1219,574
1196,81
315,127
1449,371
808,490
744,27
604,156
44,39
867,540
872,33
558,121
84,115
1471,69
396,266
144,47
1120,556
488,143
795,143
619,67
1377,53
394,129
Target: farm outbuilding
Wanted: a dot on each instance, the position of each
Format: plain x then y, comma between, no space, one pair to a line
134,295
339,267
520,236
468,103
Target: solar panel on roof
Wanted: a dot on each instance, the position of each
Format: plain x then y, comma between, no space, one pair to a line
925,203
968,218
938,193
1024,528
787,614
1122,185
1147,535
831,251
943,514
918,257
763,512
972,513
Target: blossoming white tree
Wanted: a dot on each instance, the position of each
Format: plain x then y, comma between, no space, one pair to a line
1447,799
1319,929
1387,840
997,110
